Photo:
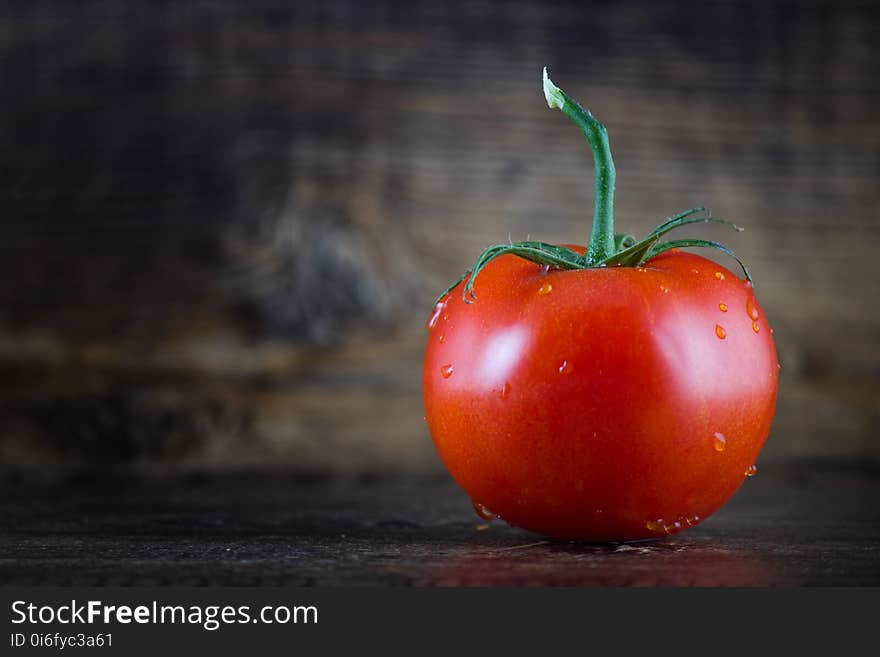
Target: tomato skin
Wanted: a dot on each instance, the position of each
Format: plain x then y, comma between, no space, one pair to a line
605,404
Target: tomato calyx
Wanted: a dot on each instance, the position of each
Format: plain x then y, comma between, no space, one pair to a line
605,248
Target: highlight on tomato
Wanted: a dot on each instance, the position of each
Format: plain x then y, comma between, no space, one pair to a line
616,391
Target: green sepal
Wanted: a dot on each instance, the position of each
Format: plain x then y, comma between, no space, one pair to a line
629,252
452,287
636,254
657,249
559,257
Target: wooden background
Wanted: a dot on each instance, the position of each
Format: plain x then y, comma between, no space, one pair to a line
224,222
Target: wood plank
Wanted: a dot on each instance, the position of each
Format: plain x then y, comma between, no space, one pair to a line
231,217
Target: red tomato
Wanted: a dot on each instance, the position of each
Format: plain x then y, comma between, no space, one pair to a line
601,404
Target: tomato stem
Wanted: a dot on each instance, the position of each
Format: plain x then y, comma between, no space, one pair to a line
601,244
605,249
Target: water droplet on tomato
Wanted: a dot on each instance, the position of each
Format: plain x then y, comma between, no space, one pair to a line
751,471
446,371
696,271
546,288
441,338
720,332
672,527
505,390
755,327
722,307
655,525
438,309
752,309
664,289
719,275
483,511
719,441
566,367
445,318
544,268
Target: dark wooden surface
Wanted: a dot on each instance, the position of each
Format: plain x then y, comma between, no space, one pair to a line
804,526
223,223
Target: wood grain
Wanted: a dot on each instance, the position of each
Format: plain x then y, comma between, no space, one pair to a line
790,527
224,222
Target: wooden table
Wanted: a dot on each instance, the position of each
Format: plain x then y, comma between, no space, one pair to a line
810,525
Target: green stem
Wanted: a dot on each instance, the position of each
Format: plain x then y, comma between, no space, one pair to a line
601,244
605,249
